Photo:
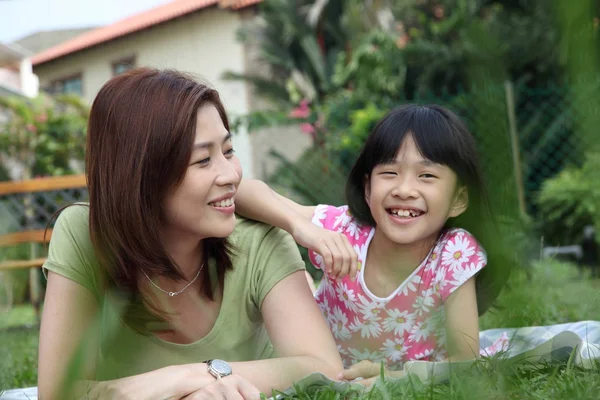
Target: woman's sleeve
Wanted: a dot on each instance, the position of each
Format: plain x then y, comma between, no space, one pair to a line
71,253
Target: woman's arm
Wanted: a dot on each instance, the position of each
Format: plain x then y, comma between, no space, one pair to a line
232,387
299,334
68,351
256,200
68,344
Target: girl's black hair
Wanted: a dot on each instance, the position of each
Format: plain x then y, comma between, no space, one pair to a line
441,137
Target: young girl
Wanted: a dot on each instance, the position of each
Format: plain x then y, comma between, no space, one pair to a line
401,270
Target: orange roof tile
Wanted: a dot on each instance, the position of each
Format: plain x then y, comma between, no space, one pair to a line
135,23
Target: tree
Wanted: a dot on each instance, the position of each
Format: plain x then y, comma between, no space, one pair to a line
44,135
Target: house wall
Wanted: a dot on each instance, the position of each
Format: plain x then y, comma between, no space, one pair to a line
203,43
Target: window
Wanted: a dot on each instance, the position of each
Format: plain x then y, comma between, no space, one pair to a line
72,84
125,64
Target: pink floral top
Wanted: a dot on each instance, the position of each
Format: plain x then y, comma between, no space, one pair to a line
409,323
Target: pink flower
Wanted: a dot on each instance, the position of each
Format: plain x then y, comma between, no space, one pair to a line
31,128
307,128
302,111
42,118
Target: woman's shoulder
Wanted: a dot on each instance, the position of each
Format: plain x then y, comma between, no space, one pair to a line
73,223
71,252
253,237
248,231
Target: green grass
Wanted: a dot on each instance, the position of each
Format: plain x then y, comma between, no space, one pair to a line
554,295
18,348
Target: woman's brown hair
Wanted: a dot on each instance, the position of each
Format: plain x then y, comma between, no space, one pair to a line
140,137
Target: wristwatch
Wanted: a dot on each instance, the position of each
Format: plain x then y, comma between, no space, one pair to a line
218,368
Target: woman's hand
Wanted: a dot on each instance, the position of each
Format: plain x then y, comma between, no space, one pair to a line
368,371
232,387
339,258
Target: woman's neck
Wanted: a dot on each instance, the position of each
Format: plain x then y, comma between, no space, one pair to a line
186,251
397,260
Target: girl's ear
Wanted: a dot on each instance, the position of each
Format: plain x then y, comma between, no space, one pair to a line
461,202
367,186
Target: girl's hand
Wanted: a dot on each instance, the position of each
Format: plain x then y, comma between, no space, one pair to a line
368,372
339,258
232,387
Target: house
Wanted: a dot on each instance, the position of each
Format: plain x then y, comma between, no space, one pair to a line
16,76
42,40
196,36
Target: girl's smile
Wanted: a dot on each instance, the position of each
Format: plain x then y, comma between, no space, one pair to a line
411,198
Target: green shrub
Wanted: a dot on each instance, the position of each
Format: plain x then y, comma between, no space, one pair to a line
570,201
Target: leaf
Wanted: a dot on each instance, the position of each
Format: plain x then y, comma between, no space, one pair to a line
265,87
313,52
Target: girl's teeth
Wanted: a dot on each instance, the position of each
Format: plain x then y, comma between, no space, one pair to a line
406,213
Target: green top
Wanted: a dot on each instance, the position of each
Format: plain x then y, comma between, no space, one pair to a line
265,256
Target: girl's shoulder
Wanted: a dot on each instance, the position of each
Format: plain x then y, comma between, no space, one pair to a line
457,245
453,234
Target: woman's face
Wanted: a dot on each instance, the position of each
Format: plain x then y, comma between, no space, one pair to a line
203,205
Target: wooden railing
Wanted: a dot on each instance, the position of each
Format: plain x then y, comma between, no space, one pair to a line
26,207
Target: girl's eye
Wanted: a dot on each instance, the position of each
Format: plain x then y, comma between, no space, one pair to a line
388,173
230,153
428,176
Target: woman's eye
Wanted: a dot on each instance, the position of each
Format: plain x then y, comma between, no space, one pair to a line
203,162
230,152
388,173
428,176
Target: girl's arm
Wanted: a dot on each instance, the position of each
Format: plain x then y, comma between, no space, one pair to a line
462,323
256,200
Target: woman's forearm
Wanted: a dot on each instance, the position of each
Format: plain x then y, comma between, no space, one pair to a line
173,382
282,373
256,200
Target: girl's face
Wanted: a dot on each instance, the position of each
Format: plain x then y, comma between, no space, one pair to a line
203,205
411,198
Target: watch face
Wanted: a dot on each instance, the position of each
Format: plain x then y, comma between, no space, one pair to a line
221,367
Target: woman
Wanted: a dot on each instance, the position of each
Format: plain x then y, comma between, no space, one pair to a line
156,276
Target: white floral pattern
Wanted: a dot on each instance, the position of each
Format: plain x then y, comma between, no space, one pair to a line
395,349
368,327
398,321
346,296
358,355
457,251
424,302
338,324
411,284
410,324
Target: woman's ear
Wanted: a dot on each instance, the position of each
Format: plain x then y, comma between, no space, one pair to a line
461,202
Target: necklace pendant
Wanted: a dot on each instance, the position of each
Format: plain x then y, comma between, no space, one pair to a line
172,294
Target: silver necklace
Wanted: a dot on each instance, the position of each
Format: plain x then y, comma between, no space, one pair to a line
173,294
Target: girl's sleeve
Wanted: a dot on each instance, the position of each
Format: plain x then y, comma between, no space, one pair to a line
331,218
462,258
